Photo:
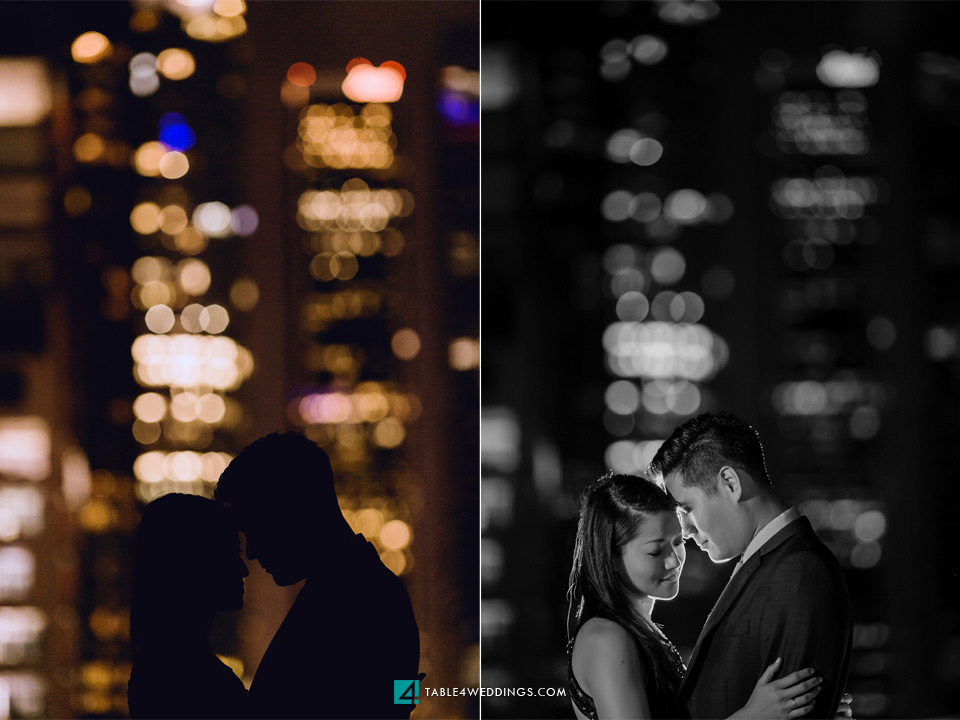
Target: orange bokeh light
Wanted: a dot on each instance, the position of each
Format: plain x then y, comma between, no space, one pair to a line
302,74
366,83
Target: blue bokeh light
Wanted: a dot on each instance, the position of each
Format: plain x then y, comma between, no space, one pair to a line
458,110
175,133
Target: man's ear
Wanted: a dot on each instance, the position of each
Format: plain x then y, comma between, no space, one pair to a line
730,483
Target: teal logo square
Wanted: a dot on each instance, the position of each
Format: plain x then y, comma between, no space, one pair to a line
406,692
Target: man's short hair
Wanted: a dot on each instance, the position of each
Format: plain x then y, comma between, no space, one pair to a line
698,448
285,467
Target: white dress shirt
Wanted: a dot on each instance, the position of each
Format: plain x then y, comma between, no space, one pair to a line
767,532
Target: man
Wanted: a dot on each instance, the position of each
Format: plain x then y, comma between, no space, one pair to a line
351,632
786,597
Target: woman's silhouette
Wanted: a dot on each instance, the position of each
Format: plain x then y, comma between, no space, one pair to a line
187,567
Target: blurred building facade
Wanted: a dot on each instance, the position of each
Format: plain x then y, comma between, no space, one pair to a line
694,206
206,238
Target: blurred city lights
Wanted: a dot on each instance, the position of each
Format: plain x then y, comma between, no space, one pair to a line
500,79
145,218
186,471
831,397
160,319
302,74
244,294
354,208
395,535
662,350
173,219
88,148
881,332
194,276
24,447
149,269
646,151
26,94
21,629
214,319
175,134
813,123
464,353
91,47
173,165
176,64
333,136
77,200
212,218
667,266
685,206
828,196
229,8
389,433
647,49
405,343
144,85
17,568
632,306
459,98
244,220
631,457
616,205
185,361
150,407
368,84
687,12
190,241
146,159
21,512
849,70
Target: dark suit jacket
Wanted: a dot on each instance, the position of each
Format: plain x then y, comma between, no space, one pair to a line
348,636
788,600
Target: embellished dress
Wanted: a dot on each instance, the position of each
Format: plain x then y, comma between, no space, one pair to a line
660,702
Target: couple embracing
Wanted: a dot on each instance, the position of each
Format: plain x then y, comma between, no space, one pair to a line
777,643
349,635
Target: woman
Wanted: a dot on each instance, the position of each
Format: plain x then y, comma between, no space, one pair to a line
629,553
187,567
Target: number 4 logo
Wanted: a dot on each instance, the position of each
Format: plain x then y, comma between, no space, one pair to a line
406,692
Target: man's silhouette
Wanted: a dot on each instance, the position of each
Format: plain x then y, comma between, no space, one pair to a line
351,632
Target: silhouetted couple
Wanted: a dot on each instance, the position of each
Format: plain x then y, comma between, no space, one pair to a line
349,635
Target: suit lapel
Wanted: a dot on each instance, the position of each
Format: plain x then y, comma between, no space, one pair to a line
737,583
734,587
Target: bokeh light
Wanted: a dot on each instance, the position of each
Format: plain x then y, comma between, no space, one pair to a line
405,343
244,294
212,218
91,47
160,319
176,64
464,353
145,218
368,84
150,407
173,165
214,319
194,276
146,159
302,74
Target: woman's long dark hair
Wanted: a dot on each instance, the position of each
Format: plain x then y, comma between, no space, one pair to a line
612,510
171,559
